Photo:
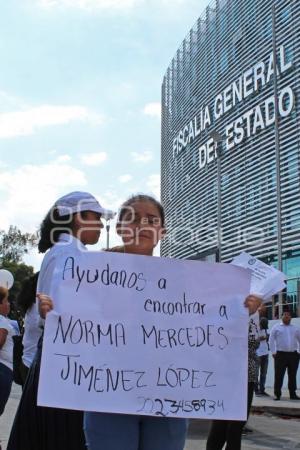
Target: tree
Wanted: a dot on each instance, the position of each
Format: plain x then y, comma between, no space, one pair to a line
20,273
14,244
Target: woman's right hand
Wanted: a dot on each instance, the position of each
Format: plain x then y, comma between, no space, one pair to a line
45,304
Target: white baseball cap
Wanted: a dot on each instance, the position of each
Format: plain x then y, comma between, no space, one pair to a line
78,201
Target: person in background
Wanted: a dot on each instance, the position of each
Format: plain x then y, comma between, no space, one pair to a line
229,432
285,348
263,310
263,357
7,332
72,223
32,329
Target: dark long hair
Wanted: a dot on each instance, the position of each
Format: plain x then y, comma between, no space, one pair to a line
27,294
52,226
3,293
141,198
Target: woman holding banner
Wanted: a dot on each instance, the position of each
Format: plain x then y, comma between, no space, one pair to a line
32,331
141,226
72,223
229,432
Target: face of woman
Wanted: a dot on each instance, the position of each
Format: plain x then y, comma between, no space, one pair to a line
5,306
87,227
141,227
252,303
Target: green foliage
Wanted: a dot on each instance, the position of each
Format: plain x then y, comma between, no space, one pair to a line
20,272
14,244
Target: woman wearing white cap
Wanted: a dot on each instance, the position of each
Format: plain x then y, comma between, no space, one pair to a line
141,224
71,224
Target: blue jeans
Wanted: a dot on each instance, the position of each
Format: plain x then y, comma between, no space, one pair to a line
263,362
128,432
6,379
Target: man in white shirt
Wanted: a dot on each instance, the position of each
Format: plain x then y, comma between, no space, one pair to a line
285,347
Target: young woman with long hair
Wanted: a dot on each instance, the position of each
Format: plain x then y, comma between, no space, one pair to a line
71,224
141,224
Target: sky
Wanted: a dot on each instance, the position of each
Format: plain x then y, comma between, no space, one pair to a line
80,90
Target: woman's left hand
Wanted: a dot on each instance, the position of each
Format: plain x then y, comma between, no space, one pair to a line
45,304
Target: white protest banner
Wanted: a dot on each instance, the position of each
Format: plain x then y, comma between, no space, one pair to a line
149,336
266,281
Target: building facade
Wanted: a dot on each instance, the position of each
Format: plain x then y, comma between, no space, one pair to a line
231,136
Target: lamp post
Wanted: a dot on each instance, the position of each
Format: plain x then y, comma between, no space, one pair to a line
218,139
107,228
219,198
277,153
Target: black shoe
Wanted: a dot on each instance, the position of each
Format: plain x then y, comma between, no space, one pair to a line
265,394
294,397
277,397
247,430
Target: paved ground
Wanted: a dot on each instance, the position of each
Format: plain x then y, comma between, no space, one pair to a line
7,418
276,425
269,433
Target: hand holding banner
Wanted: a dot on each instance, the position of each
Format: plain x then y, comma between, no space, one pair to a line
266,281
150,336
